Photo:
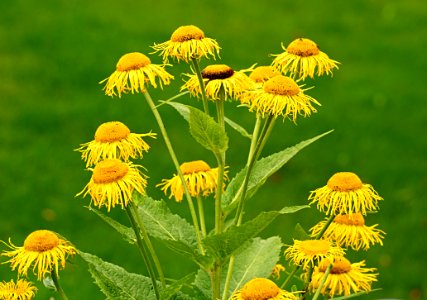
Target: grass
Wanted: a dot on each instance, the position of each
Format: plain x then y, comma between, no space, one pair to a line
54,53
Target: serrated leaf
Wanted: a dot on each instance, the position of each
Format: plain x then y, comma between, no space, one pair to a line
231,241
238,128
207,132
261,170
127,233
116,283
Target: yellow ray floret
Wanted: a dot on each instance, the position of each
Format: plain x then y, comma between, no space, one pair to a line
344,278
43,250
302,58
350,231
133,72
263,73
262,289
114,140
21,290
345,194
280,96
187,43
200,179
221,83
113,183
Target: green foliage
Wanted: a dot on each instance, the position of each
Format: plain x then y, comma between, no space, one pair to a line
300,233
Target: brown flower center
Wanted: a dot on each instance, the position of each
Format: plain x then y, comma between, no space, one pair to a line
109,170
341,265
111,132
186,33
263,73
281,85
194,167
259,289
303,47
132,61
344,182
217,72
315,247
355,219
41,240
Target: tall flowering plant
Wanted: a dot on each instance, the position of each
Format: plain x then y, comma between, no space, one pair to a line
233,261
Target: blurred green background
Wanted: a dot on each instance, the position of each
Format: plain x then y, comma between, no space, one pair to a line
53,53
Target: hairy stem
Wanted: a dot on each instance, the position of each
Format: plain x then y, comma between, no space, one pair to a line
58,287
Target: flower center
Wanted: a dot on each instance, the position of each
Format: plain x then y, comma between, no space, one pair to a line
263,73
356,219
194,167
281,85
111,132
186,33
341,265
344,182
41,240
132,61
315,247
303,47
217,72
259,289
109,170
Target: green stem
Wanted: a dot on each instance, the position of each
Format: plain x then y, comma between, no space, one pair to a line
178,169
147,241
289,277
316,295
228,278
328,222
196,66
201,215
58,287
142,250
307,281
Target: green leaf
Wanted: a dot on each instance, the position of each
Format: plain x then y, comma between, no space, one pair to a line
207,132
231,241
183,109
261,170
171,291
257,260
116,283
300,233
127,233
238,128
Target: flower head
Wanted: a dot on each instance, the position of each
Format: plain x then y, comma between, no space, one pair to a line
113,183
219,79
200,179
21,290
350,231
114,140
344,278
345,194
302,58
262,289
280,95
186,43
310,252
44,250
133,72
262,73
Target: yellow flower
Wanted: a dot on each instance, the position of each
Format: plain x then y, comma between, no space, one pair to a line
275,273
262,73
262,289
344,278
21,290
45,250
345,194
113,183
114,140
280,96
219,79
302,58
350,231
133,72
309,252
200,179
186,43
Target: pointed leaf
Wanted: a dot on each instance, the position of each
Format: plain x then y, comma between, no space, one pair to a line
116,283
183,109
238,128
262,169
300,233
231,241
